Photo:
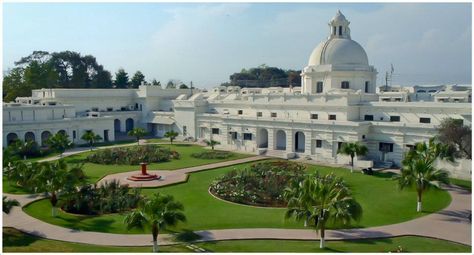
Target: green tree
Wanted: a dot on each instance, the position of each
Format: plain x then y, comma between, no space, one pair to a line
353,150
157,213
137,79
137,133
183,86
171,85
91,137
121,79
454,133
319,199
59,142
8,204
212,143
154,82
419,171
24,149
171,135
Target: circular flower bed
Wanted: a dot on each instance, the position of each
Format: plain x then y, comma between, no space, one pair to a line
262,184
132,155
212,155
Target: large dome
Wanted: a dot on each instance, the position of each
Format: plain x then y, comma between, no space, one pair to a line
338,51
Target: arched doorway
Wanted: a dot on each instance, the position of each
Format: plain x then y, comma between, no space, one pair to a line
30,136
44,137
280,140
129,124
62,132
11,137
117,125
262,139
299,141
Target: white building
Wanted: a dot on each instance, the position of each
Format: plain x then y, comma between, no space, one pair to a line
338,102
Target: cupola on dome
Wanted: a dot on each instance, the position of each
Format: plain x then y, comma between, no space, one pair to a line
339,48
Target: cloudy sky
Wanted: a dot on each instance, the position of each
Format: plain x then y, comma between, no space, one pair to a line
205,43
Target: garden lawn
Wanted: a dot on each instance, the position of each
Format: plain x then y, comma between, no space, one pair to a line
382,202
10,187
17,241
465,184
96,171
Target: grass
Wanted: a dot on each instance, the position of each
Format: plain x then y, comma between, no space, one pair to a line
12,188
465,184
378,195
16,241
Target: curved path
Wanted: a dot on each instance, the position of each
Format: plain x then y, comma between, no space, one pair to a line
450,223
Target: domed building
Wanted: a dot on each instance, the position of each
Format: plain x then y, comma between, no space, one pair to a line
338,63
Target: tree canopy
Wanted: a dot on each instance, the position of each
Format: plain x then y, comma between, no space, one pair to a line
265,76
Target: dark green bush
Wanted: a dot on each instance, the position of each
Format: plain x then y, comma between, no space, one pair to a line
132,155
212,155
260,184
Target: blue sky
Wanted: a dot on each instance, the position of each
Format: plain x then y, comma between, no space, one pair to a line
205,43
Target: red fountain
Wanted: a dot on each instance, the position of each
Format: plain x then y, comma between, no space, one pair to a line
143,176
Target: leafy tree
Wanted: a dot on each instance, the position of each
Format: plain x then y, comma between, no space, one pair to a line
56,176
137,79
137,133
24,149
171,135
121,79
170,85
319,199
59,142
452,132
183,86
157,213
7,204
419,171
154,82
91,137
353,150
212,143
22,173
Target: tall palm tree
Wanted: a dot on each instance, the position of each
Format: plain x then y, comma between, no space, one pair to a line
353,150
212,143
419,169
156,212
320,199
137,133
171,135
59,142
8,204
91,137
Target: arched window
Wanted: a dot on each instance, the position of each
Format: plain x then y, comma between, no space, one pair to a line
340,30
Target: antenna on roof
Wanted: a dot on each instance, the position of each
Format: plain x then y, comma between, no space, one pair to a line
388,77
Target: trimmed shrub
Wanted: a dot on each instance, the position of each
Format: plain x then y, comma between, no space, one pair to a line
261,184
212,155
132,155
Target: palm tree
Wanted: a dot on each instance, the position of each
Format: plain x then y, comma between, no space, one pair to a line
419,169
353,150
171,135
320,199
90,137
137,133
212,143
59,142
22,173
8,204
156,212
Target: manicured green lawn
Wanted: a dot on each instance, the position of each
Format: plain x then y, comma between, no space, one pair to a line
408,244
16,241
379,196
466,184
12,188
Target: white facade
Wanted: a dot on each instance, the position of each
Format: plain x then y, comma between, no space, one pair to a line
338,102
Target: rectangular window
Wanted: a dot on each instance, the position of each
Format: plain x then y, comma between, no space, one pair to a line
368,117
247,136
344,85
332,116
185,131
240,112
366,87
425,120
314,116
74,134
319,87
386,147
259,114
339,145
395,118
233,135
319,143
340,30
274,114
215,131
